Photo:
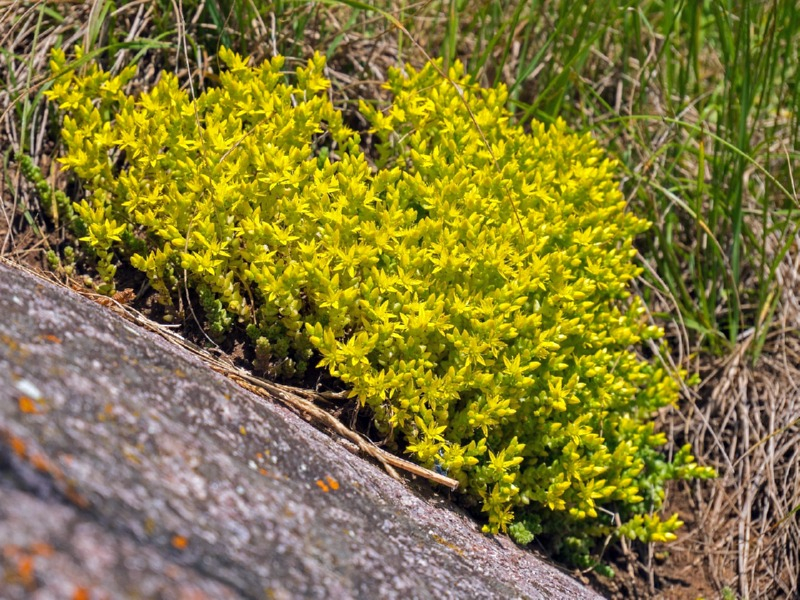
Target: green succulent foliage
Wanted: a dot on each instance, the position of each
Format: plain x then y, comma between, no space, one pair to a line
53,201
471,288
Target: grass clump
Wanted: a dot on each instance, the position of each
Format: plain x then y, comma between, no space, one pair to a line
470,287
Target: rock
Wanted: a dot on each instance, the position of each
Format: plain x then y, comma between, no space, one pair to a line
128,468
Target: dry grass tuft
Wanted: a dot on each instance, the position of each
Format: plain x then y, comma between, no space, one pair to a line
748,522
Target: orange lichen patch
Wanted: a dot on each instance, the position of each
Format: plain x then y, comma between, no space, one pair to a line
76,498
13,551
10,342
42,549
26,571
48,337
41,463
18,446
108,412
263,471
259,456
27,405
81,593
332,482
323,486
179,542
38,461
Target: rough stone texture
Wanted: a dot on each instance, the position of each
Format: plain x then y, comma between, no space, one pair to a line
127,468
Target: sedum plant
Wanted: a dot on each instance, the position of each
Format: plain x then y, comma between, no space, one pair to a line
468,281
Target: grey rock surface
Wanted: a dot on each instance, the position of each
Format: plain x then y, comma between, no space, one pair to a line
129,469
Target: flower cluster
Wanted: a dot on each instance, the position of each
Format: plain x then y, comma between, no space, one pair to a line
468,281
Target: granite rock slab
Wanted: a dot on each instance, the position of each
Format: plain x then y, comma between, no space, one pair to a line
130,469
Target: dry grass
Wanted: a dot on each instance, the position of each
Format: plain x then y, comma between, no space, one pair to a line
748,519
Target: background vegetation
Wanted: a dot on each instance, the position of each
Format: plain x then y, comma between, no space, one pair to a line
699,100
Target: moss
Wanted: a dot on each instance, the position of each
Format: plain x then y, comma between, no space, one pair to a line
472,289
